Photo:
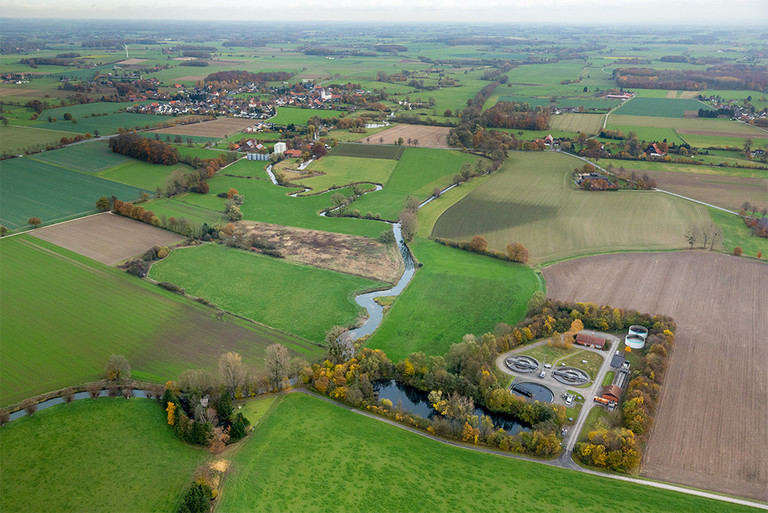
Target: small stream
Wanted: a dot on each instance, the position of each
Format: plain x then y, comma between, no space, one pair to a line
376,311
79,395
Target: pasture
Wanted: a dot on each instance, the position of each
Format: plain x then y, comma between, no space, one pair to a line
337,171
716,301
660,107
32,188
654,127
107,238
63,315
87,109
291,297
587,103
15,140
91,157
142,174
217,128
297,116
533,200
270,203
48,457
277,470
427,136
418,172
454,293
736,233
590,124
105,125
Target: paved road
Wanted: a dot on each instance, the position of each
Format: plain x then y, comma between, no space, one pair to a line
552,463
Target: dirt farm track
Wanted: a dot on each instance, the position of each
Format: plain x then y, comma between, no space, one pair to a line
711,430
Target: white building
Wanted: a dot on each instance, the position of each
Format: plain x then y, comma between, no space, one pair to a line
280,147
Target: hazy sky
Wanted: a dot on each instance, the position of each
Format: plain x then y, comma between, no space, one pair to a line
644,12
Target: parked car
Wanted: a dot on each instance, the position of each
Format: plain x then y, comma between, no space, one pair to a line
542,374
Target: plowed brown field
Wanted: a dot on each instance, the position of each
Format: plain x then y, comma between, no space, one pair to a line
106,238
428,136
711,430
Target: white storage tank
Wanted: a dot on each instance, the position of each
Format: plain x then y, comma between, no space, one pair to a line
634,341
640,331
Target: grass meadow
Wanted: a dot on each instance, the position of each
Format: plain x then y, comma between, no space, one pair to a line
270,203
339,171
63,315
105,125
121,450
736,233
455,292
91,157
33,188
15,140
278,469
660,107
297,116
296,298
417,173
533,200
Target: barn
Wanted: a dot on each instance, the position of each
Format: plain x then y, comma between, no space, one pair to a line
590,340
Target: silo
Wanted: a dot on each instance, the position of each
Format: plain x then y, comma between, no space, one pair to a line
640,331
634,341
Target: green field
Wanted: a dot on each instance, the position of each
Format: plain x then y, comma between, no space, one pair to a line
454,293
417,173
124,451
368,151
63,315
278,470
533,201
270,203
705,124
340,171
87,109
587,103
736,233
32,188
15,140
299,299
587,123
661,107
105,125
90,157
298,116
142,174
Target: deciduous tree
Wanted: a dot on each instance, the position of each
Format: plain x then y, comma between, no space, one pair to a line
231,371
34,222
276,363
118,367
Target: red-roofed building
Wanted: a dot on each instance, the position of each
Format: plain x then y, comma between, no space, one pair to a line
612,393
590,340
292,154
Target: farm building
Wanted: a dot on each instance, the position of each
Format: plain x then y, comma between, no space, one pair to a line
292,154
590,340
612,393
257,156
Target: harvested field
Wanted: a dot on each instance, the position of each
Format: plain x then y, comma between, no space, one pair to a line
351,254
753,135
710,431
128,62
724,191
107,238
217,128
587,123
428,136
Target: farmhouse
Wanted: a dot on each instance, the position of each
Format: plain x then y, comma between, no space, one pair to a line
590,340
612,393
292,154
654,150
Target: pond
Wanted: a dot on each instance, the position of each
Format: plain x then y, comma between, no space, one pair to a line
416,401
533,391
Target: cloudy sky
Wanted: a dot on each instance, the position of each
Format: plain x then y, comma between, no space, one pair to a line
652,12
